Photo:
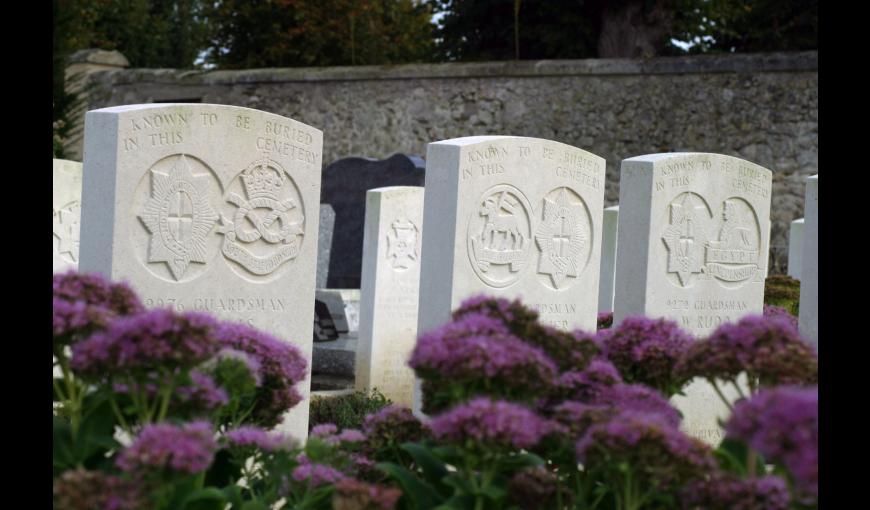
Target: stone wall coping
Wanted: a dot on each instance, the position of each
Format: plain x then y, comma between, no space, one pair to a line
101,57
694,64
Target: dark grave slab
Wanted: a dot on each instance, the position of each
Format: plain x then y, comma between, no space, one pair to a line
343,186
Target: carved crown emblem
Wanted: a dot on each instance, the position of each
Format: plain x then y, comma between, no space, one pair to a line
263,181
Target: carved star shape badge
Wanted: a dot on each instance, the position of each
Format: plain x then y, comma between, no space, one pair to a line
179,216
561,238
66,229
402,244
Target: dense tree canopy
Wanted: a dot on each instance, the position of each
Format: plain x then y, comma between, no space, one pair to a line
275,33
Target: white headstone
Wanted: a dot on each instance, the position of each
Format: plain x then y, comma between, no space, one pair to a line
795,248
208,208
66,211
512,217
693,246
390,289
608,259
808,322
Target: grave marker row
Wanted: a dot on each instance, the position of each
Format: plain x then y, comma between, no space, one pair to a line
211,208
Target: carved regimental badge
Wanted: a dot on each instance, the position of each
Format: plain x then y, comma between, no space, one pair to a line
266,229
66,230
563,237
498,235
402,244
178,216
685,236
733,256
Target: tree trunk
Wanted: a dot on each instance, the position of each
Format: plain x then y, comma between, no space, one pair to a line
629,30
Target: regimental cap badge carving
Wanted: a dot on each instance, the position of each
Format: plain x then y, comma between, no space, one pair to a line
561,236
402,244
266,229
499,234
178,216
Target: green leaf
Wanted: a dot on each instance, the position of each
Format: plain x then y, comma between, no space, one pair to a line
253,505
458,502
63,456
433,469
207,498
233,493
732,456
422,495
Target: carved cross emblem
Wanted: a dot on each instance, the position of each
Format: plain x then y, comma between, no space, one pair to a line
684,238
179,216
561,238
402,244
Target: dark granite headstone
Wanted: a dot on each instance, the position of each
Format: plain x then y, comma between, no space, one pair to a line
324,243
344,185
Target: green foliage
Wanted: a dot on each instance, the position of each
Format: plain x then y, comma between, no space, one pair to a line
783,290
150,33
749,25
345,411
285,33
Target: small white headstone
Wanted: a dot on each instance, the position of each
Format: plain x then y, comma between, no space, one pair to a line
66,211
693,247
209,208
512,217
808,322
795,248
608,259
390,290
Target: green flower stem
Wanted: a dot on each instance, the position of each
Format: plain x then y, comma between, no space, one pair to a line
739,391
165,398
721,396
118,414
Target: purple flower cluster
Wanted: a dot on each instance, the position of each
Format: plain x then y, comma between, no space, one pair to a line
578,417
392,426
251,436
725,492
315,475
329,433
769,349
585,385
143,343
80,489
642,399
202,394
778,311
497,362
783,425
352,494
569,352
281,367
646,351
187,448
650,444
497,424
85,303
536,487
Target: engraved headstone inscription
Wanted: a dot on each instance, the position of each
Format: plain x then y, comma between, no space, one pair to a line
692,247
808,321
345,183
208,208
390,290
608,259
512,217
795,248
66,212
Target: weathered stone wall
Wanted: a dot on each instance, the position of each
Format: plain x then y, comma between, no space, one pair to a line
761,107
